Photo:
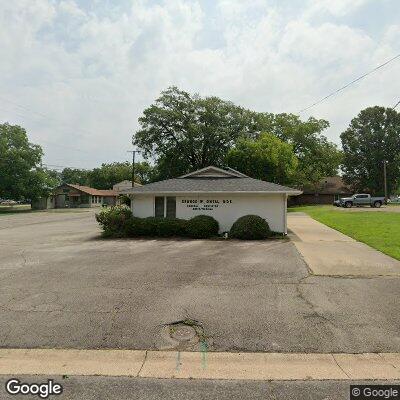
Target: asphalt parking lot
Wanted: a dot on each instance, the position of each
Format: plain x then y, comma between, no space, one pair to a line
63,286
123,388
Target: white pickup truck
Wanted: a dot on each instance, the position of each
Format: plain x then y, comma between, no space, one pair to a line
360,199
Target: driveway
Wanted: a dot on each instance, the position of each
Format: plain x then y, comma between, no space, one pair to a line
329,252
63,286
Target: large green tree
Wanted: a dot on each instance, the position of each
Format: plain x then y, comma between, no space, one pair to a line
184,132
75,176
267,158
21,173
317,156
144,172
372,137
108,175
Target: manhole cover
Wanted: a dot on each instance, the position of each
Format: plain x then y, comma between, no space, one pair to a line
182,332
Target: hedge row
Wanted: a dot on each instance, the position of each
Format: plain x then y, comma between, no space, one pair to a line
118,221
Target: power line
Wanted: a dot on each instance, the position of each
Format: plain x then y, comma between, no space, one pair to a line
349,84
62,166
48,118
63,146
51,143
396,104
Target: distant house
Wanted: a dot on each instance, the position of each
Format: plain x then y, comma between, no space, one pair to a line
123,185
327,191
75,196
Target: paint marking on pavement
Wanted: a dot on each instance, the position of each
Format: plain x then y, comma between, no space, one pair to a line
163,364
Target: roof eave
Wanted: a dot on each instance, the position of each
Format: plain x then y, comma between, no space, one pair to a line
288,192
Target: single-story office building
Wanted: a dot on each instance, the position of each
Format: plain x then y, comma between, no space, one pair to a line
223,194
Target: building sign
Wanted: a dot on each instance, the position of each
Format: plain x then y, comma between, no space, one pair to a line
205,204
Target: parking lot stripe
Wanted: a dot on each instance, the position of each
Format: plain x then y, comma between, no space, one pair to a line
218,365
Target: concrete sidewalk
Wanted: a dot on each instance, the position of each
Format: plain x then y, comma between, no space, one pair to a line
200,365
329,252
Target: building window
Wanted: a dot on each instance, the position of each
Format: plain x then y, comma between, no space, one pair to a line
171,207
159,207
165,207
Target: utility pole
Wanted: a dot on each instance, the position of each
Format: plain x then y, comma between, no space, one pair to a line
384,179
133,165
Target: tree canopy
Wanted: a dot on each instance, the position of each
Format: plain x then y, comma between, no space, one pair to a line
21,174
267,158
184,132
372,137
317,156
75,176
107,175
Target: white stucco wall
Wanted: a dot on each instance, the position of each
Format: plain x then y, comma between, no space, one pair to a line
143,206
226,209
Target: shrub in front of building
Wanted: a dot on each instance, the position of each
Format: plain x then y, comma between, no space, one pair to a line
202,227
118,222
113,220
159,227
169,227
134,227
154,227
250,227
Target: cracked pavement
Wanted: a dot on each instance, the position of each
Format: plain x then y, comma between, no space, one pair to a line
62,286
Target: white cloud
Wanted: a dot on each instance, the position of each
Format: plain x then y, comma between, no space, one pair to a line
92,74
71,8
337,8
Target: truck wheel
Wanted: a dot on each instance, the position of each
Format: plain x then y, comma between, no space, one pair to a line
348,204
377,204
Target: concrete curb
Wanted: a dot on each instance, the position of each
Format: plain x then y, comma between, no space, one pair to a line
197,365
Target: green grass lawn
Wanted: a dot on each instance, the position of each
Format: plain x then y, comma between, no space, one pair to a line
4,210
380,230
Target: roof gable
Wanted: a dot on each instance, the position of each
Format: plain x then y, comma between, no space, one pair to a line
212,180
92,191
214,172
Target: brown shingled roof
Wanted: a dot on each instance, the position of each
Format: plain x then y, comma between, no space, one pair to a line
92,191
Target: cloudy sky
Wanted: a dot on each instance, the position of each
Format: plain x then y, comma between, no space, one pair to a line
77,73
